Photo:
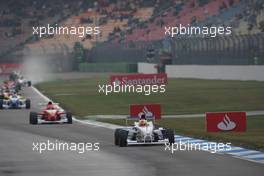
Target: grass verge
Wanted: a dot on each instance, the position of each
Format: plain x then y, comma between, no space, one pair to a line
182,96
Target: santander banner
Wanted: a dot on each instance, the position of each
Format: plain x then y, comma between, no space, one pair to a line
150,110
226,121
140,79
8,68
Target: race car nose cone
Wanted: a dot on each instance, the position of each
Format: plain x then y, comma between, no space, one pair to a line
14,104
147,138
52,118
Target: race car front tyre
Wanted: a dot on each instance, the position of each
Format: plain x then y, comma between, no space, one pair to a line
123,138
170,136
156,137
27,104
1,103
116,137
33,118
69,117
29,83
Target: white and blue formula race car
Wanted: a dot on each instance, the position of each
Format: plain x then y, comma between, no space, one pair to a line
15,101
143,132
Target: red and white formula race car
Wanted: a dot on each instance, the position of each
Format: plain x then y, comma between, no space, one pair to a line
50,114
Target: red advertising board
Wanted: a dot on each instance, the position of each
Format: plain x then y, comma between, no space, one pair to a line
139,79
226,121
8,68
150,110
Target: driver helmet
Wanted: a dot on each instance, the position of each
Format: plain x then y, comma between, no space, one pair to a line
143,116
142,121
14,96
50,105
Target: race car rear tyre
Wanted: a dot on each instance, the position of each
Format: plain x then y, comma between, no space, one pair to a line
1,103
69,117
117,136
29,83
33,118
28,104
123,138
170,136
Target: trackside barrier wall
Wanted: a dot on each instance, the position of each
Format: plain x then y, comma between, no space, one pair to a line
146,68
225,72
108,67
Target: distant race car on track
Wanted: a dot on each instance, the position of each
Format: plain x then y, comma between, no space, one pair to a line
51,114
14,101
19,80
143,132
22,82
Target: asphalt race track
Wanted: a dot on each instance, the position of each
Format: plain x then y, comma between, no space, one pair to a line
18,158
